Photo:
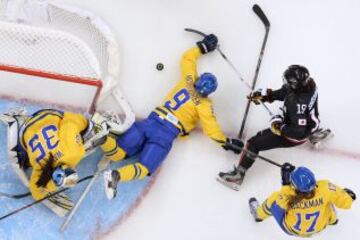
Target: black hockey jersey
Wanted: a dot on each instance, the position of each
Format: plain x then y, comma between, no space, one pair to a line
301,115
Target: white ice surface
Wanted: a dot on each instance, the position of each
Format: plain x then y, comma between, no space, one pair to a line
186,202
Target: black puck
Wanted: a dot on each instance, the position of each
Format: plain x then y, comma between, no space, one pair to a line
159,66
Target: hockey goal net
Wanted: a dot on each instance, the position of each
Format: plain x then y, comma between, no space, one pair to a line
58,54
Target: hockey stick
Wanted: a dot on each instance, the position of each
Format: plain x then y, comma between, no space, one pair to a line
15,196
251,88
42,199
222,55
254,156
102,165
266,23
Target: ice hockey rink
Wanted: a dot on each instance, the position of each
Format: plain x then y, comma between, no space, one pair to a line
184,200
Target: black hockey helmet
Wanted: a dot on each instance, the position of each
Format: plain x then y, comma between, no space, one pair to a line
296,76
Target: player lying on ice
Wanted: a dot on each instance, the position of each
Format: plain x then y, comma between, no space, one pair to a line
298,122
185,106
303,206
52,143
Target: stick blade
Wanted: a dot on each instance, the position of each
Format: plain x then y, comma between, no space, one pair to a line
258,11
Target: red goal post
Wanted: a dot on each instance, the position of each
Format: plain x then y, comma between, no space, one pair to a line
61,55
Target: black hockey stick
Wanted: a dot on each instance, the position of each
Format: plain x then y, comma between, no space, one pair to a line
266,23
15,196
222,55
42,199
254,156
232,66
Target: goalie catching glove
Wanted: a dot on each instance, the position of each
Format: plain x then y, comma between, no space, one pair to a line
234,145
65,177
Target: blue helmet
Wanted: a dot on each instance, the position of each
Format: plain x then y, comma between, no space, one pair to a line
206,84
303,179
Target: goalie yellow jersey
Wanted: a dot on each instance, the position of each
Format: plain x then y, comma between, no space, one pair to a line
54,131
307,216
184,107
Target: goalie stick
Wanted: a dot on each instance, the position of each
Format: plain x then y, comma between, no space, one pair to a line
258,11
42,199
102,165
15,196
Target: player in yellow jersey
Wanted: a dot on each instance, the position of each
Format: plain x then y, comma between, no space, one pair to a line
52,143
303,206
185,106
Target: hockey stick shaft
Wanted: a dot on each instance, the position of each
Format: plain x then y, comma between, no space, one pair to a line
232,66
15,196
40,200
254,156
82,197
266,23
223,56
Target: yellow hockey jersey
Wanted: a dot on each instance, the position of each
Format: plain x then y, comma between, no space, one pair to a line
184,107
52,131
311,215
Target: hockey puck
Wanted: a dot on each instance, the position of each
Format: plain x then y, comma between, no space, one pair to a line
159,66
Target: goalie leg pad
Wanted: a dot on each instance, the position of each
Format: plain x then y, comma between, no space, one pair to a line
60,204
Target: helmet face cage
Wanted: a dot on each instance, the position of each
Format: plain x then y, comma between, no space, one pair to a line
296,76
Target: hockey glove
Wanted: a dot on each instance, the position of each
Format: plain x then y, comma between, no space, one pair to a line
286,170
65,177
258,96
351,193
276,124
234,145
208,44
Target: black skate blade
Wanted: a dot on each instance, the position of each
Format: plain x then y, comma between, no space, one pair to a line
230,185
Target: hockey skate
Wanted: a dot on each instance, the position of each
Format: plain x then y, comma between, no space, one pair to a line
254,205
232,179
111,178
319,137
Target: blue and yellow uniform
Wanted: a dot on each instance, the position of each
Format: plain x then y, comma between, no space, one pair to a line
307,216
56,132
152,138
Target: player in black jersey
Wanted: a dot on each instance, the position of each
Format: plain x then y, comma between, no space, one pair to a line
300,119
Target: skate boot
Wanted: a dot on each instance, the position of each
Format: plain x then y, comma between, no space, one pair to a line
319,137
232,179
111,178
254,205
